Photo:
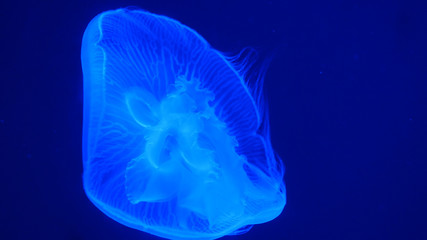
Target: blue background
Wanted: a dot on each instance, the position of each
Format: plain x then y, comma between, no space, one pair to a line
347,93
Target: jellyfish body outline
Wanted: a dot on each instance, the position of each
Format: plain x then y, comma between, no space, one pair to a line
147,178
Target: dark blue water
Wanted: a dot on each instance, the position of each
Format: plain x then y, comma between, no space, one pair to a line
347,93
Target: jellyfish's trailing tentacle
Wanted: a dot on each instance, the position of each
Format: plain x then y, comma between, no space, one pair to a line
174,144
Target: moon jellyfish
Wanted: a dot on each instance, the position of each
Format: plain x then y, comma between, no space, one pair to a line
175,142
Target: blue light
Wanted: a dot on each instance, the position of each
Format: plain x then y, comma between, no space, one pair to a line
174,141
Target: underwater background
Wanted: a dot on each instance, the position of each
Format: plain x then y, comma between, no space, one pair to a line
346,90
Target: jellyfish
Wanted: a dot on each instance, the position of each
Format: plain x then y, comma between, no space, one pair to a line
175,142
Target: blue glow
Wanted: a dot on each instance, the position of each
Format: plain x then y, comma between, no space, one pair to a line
174,141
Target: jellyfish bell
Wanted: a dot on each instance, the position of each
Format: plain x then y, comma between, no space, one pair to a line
175,143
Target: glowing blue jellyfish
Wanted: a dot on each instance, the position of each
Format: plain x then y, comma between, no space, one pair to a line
174,142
